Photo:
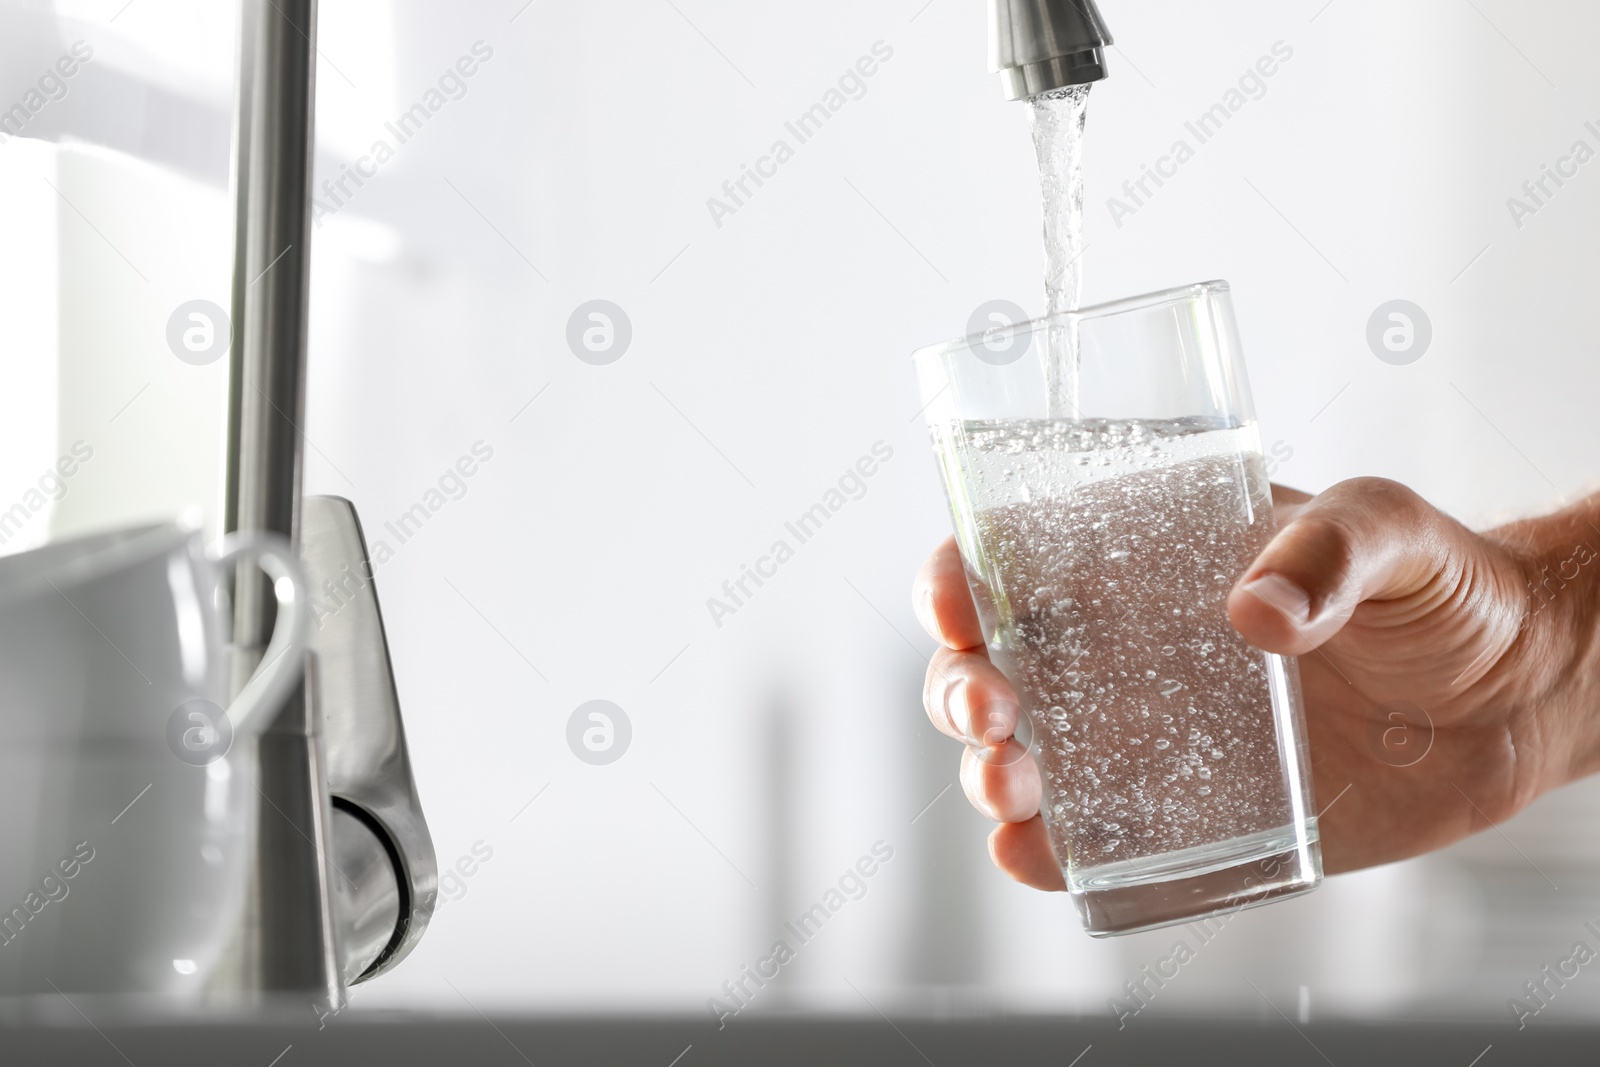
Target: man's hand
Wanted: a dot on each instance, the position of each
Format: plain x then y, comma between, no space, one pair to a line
1387,602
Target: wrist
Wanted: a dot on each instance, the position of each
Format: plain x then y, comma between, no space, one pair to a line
1559,556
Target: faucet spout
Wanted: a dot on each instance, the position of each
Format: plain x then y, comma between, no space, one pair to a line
1037,46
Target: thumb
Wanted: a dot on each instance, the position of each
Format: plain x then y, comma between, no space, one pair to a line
1364,539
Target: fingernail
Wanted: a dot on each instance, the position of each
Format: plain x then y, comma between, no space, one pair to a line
995,717
972,784
998,732
929,614
960,713
1288,599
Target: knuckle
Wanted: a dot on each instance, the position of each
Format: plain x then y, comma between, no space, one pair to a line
1378,496
1326,542
1359,515
922,585
935,684
946,670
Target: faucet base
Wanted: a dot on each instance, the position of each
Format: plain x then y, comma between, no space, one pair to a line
1059,72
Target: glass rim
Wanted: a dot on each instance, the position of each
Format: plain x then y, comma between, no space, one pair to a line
1108,309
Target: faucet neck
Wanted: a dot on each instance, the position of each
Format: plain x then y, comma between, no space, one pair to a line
1038,46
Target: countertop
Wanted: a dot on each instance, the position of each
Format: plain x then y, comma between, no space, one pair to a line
401,1040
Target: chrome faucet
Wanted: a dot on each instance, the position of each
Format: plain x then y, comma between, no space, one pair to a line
1038,46
344,880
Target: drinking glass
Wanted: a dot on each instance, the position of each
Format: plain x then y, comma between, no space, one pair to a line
1105,476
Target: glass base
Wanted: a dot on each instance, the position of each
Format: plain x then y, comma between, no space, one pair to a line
1272,866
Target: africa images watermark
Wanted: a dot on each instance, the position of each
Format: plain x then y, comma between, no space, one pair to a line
52,889
1537,192
1399,332
1252,85
852,85
1553,978
852,485
1140,993
453,879
52,486
452,85
599,732
852,885
52,87
453,485
1544,592
1275,456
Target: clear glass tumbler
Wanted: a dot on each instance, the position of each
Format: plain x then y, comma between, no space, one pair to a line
1104,512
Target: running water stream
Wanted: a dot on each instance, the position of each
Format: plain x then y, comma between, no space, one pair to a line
1101,553
1058,122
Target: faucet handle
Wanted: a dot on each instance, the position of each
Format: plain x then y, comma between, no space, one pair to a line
378,825
1037,46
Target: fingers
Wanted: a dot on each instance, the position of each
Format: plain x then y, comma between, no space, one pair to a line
1286,503
1366,539
943,602
968,698
1022,850
1284,496
1003,783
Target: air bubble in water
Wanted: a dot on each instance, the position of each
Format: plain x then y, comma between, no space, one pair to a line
1119,560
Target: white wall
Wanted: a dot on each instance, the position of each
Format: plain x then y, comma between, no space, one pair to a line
116,214
772,351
